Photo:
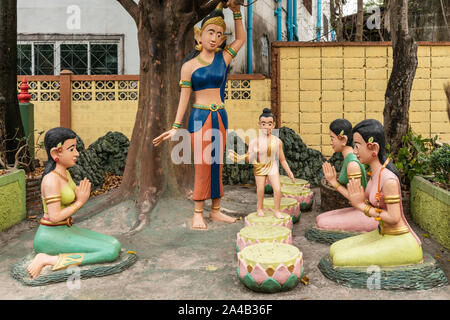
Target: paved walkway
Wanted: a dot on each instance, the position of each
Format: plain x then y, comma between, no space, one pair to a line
178,263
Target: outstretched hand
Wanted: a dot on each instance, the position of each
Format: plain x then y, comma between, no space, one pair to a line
291,176
166,135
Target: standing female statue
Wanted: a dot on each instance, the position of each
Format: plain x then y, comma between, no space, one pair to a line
204,71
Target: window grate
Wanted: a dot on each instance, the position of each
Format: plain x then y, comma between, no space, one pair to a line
83,57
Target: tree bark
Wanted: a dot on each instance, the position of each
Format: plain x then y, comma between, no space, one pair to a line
11,126
359,21
397,97
165,36
336,18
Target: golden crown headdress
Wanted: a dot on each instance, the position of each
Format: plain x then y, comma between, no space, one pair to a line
219,21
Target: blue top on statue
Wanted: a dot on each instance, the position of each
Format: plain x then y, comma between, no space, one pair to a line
211,76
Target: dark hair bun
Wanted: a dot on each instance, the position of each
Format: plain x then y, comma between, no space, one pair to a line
267,110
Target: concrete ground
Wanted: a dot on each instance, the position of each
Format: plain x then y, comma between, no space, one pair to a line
178,263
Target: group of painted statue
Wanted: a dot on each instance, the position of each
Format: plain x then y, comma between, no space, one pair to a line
267,260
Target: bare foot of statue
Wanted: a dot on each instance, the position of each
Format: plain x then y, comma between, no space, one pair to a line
260,212
198,222
278,215
216,215
40,260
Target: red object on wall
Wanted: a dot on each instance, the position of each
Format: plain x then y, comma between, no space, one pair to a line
24,96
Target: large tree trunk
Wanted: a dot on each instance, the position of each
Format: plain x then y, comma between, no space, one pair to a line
165,37
360,21
397,97
10,123
336,7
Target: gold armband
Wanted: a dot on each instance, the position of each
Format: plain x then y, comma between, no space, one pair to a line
354,176
52,199
231,51
185,84
391,199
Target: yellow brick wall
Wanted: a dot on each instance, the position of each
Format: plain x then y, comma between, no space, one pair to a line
117,116
46,116
243,114
326,83
317,85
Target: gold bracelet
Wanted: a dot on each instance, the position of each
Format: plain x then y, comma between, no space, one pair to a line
75,206
367,209
337,186
237,15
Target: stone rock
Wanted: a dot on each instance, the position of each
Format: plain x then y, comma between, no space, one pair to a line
107,154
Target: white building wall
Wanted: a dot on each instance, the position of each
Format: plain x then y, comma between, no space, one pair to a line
97,17
107,17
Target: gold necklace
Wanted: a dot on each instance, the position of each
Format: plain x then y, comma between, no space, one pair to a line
59,174
203,62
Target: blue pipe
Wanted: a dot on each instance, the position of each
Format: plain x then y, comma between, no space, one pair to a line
333,35
295,21
319,19
250,39
278,14
289,20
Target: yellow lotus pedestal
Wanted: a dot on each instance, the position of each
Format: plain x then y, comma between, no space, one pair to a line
262,234
304,196
287,205
268,220
270,267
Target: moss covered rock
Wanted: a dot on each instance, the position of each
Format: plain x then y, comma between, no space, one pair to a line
107,154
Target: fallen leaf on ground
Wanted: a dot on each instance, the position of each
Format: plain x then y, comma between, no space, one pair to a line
425,235
437,256
305,280
211,268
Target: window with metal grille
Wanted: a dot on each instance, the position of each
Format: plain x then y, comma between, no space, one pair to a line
80,57
74,57
24,59
104,59
44,61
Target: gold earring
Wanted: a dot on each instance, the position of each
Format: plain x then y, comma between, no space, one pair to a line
199,47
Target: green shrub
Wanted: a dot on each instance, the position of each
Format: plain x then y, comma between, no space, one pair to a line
440,164
413,157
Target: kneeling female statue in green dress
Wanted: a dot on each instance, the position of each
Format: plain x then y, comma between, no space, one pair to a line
57,242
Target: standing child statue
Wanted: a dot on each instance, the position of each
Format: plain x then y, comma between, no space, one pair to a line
263,153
